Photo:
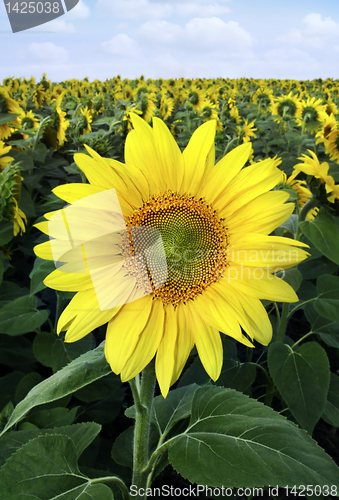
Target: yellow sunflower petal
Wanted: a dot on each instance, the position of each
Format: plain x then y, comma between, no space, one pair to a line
140,150
148,343
208,342
220,175
123,332
262,215
86,314
195,156
76,191
164,361
170,159
44,251
68,282
259,283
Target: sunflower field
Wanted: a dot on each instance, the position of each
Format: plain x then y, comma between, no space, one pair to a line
207,367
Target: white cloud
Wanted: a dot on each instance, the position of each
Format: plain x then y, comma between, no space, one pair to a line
201,10
133,9
160,32
80,11
46,52
209,34
121,45
315,32
57,26
213,32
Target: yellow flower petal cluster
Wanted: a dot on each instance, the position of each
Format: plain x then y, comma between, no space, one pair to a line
311,166
214,221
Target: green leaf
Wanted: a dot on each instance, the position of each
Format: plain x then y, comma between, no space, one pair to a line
236,441
324,234
292,276
50,349
46,468
327,304
302,378
81,434
291,224
177,406
41,269
6,232
21,316
7,117
53,417
240,376
1,271
79,373
16,352
122,450
331,413
8,385
27,383
327,329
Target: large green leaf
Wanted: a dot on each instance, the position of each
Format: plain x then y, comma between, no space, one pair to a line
77,374
51,350
323,232
81,434
327,329
175,407
6,232
41,269
327,304
302,377
331,413
235,441
21,316
7,117
46,468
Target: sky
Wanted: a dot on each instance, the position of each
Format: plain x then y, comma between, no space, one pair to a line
100,39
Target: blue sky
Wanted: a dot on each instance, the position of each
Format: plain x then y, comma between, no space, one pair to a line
178,38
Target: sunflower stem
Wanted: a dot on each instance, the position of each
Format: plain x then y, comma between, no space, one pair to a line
312,203
283,322
144,410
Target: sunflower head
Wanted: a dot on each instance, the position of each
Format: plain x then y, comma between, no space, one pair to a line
169,250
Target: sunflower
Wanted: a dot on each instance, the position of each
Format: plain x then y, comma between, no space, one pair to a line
287,106
327,127
332,145
197,98
19,219
60,125
85,121
311,166
263,98
246,131
302,192
8,105
207,271
166,107
27,121
4,160
313,114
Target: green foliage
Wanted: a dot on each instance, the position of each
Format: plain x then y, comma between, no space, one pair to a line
235,441
302,377
68,422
